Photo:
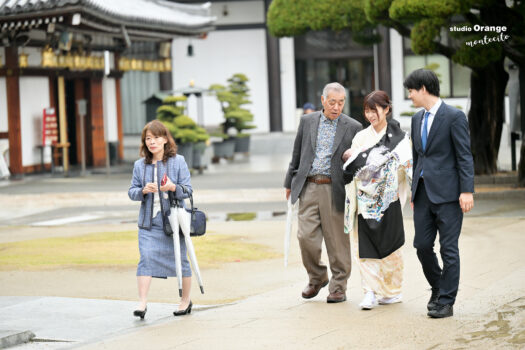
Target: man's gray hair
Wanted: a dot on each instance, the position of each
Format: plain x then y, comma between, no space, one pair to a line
333,87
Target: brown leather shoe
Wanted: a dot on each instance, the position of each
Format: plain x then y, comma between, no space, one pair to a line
312,290
336,297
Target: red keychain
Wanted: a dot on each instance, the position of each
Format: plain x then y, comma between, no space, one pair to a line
164,180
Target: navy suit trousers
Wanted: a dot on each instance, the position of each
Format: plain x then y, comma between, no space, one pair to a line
446,218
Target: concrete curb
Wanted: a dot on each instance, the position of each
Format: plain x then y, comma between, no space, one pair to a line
12,338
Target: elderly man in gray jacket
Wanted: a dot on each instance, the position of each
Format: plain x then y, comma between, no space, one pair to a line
315,176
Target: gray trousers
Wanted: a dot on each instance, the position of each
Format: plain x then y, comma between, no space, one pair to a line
319,219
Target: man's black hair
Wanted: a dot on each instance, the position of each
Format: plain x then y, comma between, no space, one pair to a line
423,77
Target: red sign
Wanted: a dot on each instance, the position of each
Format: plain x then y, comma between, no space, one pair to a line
50,127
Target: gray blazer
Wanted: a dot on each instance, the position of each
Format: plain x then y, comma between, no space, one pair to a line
304,153
178,172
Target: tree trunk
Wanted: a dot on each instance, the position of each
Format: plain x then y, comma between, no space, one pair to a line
486,115
521,166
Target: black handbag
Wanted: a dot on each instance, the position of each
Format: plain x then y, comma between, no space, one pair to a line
198,218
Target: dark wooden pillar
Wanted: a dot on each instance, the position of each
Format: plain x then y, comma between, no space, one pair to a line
79,95
383,64
98,145
274,78
13,111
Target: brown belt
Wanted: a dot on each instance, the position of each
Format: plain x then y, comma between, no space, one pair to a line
319,179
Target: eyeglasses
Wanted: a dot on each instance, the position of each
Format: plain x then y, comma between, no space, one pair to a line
333,103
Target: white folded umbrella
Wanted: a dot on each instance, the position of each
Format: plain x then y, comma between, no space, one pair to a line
185,224
174,223
288,230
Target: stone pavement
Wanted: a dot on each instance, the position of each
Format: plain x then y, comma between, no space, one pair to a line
258,304
492,286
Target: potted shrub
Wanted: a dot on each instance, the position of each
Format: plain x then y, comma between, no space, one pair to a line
183,129
198,149
237,118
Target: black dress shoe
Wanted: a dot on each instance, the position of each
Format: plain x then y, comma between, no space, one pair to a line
183,312
140,313
433,302
442,311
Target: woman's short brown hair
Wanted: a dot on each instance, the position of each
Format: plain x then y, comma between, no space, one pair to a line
157,129
377,98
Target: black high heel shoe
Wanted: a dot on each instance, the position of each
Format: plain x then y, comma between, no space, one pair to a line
140,313
183,312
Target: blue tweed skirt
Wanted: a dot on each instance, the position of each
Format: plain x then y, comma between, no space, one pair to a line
157,257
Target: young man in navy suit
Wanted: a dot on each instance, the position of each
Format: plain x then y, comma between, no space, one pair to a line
442,186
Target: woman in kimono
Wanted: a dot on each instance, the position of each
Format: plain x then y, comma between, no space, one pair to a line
378,173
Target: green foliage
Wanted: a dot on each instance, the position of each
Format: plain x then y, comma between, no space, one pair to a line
376,10
166,113
418,9
232,98
296,17
174,99
202,134
477,56
184,122
186,135
181,127
424,35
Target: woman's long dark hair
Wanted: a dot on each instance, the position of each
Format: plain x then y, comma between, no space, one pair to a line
157,129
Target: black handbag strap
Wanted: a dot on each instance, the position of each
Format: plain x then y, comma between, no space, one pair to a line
190,196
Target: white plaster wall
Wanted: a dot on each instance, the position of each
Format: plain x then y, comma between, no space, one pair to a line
288,103
3,105
238,12
109,94
217,58
34,97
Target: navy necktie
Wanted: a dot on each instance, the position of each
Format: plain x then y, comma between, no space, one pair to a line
424,134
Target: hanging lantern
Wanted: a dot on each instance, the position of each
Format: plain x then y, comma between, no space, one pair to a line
22,60
99,62
82,62
155,65
49,59
122,64
148,65
76,61
90,62
167,64
62,61
69,61
134,64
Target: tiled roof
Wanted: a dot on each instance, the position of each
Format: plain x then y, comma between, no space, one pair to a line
134,13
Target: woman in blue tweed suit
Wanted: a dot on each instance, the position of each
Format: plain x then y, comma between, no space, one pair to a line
157,257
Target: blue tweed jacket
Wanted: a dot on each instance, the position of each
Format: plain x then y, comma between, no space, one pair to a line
177,171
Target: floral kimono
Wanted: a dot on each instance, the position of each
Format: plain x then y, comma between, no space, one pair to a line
378,176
